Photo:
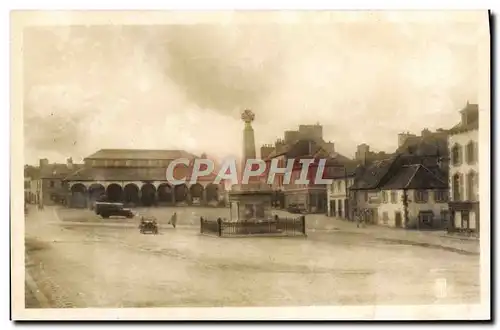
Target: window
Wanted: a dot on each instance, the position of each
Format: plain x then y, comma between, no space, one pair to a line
471,153
456,187
117,163
128,162
385,218
366,196
426,217
456,155
421,196
52,184
384,197
394,197
441,196
472,186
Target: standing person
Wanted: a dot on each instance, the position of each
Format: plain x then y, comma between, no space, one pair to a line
173,219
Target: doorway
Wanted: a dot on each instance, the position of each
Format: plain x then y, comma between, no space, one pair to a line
465,219
397,218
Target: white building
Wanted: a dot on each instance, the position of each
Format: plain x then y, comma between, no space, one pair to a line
464,170
338,196
393,194
415,197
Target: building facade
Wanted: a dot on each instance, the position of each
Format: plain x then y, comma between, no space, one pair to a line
415,198
44,184
402,192
310,197
338,196
138,178
464,171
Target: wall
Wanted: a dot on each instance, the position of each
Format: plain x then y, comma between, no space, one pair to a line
313,132
337,192
431,205
47,190
391,208
372,204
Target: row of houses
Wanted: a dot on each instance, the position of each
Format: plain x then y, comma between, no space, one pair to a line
430,181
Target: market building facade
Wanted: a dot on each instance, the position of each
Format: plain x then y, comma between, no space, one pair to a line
138,178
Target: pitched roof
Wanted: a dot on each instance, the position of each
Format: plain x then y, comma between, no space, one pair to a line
140,154
416,177
279,150
430,145
338,160
371,176
304,148
300,148
131,174
459,128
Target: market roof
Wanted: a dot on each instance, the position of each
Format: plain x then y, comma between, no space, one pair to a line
141,154
132,174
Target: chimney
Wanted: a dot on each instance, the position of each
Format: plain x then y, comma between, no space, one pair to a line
43,162
69,163
426,132
362,152
402,137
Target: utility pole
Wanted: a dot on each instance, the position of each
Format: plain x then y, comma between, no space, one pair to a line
346,205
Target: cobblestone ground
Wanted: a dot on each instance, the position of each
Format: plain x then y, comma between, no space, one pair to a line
79,260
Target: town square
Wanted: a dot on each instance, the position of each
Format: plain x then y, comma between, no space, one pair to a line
255,163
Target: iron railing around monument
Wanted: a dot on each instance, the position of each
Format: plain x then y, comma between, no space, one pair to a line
275,227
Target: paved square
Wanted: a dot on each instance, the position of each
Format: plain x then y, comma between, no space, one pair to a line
80,260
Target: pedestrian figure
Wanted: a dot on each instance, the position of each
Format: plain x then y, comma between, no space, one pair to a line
173,219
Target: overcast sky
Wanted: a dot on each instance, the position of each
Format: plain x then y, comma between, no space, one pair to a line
184,86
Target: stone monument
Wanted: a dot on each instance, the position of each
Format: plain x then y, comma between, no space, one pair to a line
250,202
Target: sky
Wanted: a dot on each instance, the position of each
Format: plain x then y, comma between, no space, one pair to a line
88,87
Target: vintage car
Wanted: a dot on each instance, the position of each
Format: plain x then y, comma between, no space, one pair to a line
148,225
107,210
295,208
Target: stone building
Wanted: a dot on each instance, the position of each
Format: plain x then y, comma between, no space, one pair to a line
402,192
343,178
364,155
311,197
138,177
46,181
464,170
301,139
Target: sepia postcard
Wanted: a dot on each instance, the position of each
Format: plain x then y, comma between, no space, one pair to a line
250,165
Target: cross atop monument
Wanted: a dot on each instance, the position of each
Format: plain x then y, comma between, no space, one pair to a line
247,116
